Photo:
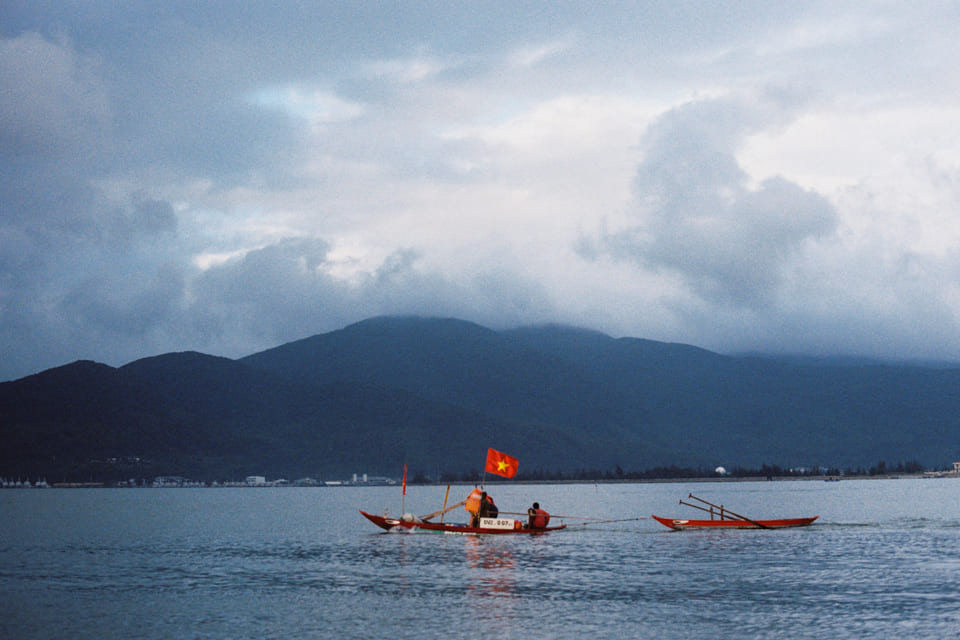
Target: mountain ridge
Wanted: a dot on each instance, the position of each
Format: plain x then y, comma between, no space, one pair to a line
435,392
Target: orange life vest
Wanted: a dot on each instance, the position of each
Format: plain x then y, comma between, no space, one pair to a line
540,519
473,502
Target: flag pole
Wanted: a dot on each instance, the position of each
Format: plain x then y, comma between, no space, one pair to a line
403,500
483,480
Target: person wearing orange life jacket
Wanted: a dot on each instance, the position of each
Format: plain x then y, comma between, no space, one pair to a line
480,505
537,517
473,506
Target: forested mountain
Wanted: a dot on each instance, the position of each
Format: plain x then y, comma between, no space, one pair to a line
435,393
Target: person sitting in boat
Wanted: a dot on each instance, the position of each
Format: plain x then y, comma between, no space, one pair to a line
473,506
537,517
487,507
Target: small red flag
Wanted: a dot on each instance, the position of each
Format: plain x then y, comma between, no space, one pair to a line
404,478
501,464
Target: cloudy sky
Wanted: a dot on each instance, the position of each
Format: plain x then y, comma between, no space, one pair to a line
229,176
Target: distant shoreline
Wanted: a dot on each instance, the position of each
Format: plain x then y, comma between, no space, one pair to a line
930,475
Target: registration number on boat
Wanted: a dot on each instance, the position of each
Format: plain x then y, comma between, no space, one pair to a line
496,523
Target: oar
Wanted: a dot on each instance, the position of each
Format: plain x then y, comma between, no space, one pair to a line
724,509
437,513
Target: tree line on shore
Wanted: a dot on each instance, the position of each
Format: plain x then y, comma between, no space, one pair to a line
676,472
617,474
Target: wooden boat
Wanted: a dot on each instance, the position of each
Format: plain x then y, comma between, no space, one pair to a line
680,524
491,526
723,518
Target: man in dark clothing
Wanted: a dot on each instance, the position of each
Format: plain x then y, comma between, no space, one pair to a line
487,508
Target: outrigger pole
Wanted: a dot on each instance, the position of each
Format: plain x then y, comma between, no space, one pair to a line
594,521
722,509
553,515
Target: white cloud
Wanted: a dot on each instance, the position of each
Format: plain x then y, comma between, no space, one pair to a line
695,215
838,29
889,169
314,106
406,70
532,55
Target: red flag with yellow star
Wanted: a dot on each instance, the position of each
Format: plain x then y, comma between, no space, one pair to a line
501,464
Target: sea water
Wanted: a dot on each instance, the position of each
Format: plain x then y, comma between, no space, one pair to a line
882,561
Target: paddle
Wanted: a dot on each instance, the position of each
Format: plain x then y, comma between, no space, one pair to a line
442,511
722,510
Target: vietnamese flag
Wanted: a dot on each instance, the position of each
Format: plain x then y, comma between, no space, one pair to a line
501,464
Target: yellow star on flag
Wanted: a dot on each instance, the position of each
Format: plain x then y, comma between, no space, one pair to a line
501,464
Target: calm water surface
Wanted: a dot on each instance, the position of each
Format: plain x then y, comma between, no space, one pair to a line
882,561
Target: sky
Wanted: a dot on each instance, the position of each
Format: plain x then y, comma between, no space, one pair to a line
226,177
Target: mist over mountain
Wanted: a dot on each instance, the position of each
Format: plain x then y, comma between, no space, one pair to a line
435,393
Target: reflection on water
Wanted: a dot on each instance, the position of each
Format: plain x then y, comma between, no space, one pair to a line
487,553
490,567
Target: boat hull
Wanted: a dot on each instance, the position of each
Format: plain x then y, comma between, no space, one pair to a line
680,524
441,527
382,521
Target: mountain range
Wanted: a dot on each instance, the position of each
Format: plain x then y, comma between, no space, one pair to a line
434,393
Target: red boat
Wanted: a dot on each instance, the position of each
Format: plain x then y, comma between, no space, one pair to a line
493,526
734,523
723,518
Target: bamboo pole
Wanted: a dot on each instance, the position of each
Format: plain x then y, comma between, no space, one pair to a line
735,515
442,511
552,515
447,495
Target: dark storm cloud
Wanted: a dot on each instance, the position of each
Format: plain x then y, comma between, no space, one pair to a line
54,99
54,114
153,216
283,292
126,305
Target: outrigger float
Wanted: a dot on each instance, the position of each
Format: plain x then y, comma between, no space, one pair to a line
723,518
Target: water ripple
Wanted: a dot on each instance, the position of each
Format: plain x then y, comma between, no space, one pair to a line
892,572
